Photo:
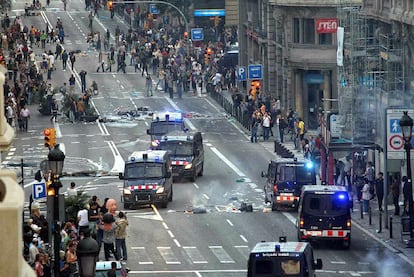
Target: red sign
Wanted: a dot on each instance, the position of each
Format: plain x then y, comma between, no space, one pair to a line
326,25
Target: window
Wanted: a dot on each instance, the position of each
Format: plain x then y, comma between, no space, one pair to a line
325,39
143,170
308,31
296,30
264,267
315,204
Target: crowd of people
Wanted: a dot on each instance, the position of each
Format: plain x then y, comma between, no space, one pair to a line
101,221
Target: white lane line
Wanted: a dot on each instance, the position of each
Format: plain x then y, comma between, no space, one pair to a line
170,233
186,120
177,243
196,186
206,196
165,226
229,222
226,161
244,239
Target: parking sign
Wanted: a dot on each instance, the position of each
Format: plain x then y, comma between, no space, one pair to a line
241,73
39,190
197,34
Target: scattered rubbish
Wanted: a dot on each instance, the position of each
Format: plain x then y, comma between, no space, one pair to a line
233,198
244,207
241,180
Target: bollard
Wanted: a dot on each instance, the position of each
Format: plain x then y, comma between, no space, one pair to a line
370,215
362,210
390,227
380,223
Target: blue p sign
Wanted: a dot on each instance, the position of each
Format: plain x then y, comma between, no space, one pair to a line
39,190
241,73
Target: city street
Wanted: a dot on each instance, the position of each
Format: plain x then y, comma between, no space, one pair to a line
176,241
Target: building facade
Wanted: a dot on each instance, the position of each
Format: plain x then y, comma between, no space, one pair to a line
296,43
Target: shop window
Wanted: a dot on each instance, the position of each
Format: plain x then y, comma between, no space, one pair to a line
325,39
296,30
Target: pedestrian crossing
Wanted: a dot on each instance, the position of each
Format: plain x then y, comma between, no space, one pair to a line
187,255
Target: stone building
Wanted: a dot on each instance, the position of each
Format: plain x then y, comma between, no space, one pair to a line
295,41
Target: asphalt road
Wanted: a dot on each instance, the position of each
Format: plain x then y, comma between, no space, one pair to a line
175,241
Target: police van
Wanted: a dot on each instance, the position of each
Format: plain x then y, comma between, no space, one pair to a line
163,123
324,214
147,179
186,153
282,259
284,180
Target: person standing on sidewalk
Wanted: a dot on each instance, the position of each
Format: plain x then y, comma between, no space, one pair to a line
379,189
366,196
65,58
395,190
120,236
82,75
24,116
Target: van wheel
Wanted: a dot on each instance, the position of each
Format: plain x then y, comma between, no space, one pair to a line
194,175
274,206
201,170
164,204
346,244
127,206
171,195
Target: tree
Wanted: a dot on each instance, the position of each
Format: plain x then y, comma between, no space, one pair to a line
75,203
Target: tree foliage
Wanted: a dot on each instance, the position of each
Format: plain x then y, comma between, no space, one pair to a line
75,203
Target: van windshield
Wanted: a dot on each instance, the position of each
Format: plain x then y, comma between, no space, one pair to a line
278,267
143,171
300,174
323,204
164,127
177,148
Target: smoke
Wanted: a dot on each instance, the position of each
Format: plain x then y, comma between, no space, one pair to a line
387,264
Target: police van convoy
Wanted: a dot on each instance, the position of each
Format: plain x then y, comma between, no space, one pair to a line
163,123
147,179
324,214
186,153
284,180
282,258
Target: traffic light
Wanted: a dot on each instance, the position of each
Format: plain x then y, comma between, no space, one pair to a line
110,5
50,137
50,188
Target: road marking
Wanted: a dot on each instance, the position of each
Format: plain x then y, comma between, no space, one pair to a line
226,161
244,239
177,243
206,196
229,222
168,255
196,186
186,120
194,254
170,233
221,254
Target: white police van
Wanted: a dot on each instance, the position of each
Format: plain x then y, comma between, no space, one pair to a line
163,123
268,259
147,179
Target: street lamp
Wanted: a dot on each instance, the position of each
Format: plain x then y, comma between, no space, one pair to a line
55,160
406,124
87,252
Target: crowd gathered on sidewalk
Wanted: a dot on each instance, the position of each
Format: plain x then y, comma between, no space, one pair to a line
100,220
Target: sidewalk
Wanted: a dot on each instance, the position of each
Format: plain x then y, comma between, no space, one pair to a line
371,227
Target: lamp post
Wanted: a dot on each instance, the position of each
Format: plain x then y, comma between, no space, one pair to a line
55,160
87,252
406,124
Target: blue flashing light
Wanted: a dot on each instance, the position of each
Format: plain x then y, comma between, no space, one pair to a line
210,12
157,158
132,159
341,196
309,165
277,247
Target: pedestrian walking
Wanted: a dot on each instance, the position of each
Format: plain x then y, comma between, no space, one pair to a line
120,236
395,191
254,127
101,62
72,83
148,85
65,58
24,117
366,196
406,193
72,191
82,75
83,220
72,59
379,189
266,125
54,111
